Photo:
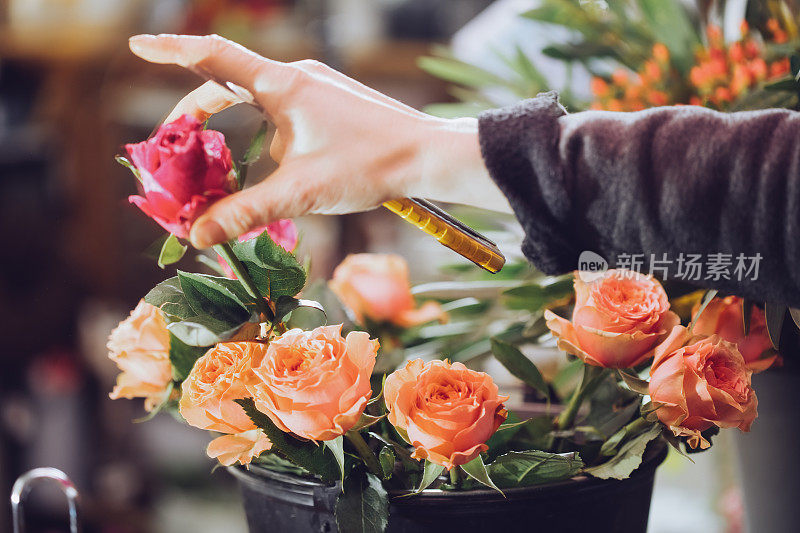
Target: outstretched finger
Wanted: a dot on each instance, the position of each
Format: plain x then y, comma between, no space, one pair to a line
224,59
201,103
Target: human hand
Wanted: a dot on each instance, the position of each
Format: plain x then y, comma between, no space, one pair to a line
341,146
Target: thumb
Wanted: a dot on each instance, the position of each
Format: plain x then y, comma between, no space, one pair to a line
276,197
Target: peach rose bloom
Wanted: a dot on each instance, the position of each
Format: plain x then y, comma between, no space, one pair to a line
617,321
701,382
375,287
315,384
447,410
140,347
724,317
207,401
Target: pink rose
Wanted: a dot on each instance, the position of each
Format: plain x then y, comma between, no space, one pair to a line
375,287
140,347
315,384
724,317
618,319
184,169
701,382
283,232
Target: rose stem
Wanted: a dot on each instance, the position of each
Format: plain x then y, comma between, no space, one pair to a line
589,381
241,272
365,452
455,477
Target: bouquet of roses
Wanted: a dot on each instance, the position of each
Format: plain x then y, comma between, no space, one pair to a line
224,351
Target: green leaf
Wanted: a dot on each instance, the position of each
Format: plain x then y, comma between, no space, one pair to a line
533,467
286,304
209,295
130,166
182,357
788,84
363,505
628,458
535,296
275,271
672,26
336,446
253,153
519,365
318,460
477,471
386,459
429,475
635,383
183,321
171,251
456,71
774,315
367,420
707,297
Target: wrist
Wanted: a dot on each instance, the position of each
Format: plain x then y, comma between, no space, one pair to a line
452,168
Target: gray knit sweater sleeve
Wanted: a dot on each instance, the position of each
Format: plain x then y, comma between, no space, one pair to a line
679,185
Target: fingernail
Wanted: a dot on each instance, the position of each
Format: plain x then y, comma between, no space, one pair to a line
138,43
206,232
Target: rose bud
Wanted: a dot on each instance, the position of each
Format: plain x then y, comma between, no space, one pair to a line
618,319
375,287
140,347
283,232
447,411
315,384
724,317
218,378
701,382
184,169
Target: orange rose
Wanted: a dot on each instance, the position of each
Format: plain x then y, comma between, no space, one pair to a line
376,287
723,317
447,411
140,347
701,382
315,384
618,319
207,401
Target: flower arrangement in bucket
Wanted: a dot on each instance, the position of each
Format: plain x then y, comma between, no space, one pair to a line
230,355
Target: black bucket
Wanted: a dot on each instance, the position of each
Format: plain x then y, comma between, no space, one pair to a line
281,503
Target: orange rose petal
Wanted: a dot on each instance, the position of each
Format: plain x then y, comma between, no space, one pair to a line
427,312
240,447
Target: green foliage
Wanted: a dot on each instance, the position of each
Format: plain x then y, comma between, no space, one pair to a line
386,459
430,473
707,297
363,505
171,251
336,446
317,460
193,327
533,467
130,166
519,365
182,357
477,471
252,154
275,271
209,295
629,455
540,293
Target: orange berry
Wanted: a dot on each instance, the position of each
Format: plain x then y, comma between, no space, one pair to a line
619,77
779,68
758,68
660,53
599,87
695,100
736,53
723,94
658,98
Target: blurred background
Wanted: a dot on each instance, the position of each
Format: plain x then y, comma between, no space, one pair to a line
73,251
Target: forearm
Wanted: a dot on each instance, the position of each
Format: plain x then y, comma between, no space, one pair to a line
666,181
